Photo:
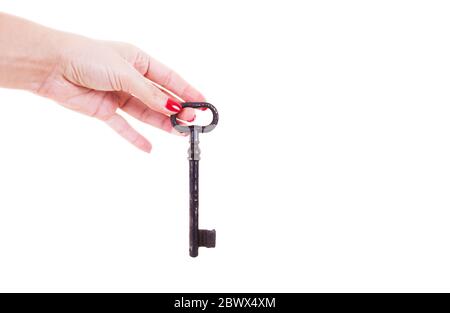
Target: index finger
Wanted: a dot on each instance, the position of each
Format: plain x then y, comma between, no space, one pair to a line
172,81
158,73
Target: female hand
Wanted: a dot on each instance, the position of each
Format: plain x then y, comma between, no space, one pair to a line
96,78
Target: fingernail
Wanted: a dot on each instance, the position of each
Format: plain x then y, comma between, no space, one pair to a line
192,119
203,109
173,106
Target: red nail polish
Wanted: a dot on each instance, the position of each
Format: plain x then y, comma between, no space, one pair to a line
203,109
192,119
173,106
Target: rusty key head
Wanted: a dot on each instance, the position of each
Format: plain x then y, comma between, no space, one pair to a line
200,129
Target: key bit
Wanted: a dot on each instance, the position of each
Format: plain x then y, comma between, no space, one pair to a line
197,237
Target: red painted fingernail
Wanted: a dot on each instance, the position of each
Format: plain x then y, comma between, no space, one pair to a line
173,106
203,109
192,119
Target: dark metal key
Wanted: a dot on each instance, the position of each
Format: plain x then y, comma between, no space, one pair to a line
197,237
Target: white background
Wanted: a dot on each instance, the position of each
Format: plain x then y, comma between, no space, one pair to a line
329,170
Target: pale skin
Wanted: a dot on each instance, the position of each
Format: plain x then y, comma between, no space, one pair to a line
101,79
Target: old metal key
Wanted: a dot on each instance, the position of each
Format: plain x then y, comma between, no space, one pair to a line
197,237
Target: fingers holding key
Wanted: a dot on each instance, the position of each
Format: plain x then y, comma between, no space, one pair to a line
150,92
186,114
158,73
133,83
169,79
135,108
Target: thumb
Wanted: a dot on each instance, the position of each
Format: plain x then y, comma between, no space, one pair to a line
134,83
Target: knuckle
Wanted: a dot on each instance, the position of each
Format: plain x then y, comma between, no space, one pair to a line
122,81
142,63
104,117
106,114
104,109
145,114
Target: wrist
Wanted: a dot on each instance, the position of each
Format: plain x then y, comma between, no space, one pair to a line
29,53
